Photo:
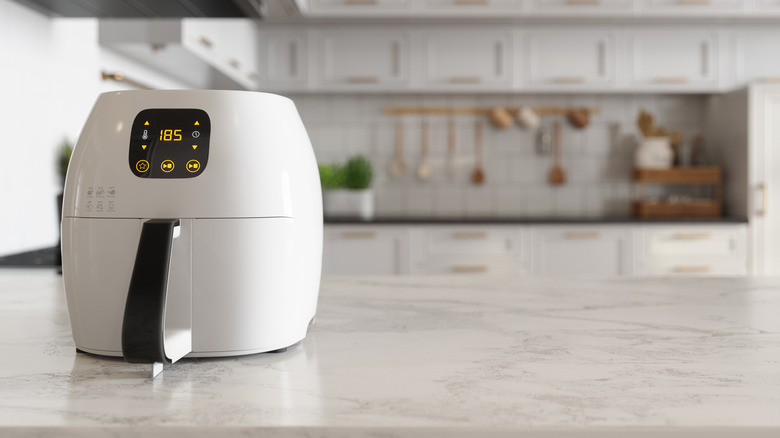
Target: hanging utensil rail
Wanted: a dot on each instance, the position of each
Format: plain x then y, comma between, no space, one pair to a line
540,110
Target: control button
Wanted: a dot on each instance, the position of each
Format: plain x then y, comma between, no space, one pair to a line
166,166
193,166
142,166
195,134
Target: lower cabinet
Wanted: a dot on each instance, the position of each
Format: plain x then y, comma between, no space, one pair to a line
573,250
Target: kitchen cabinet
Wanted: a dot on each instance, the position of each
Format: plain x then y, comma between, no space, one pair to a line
694,7
669,59
566,58
581,7
471,7
467,250
364,59
755,56
766,7
691,250
470,59
582,251
365,250
286,59
228,45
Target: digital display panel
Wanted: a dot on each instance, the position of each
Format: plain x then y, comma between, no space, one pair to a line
169,143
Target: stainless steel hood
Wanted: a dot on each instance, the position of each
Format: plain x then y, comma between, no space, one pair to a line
149,8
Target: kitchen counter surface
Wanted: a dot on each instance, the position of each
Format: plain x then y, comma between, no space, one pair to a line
532,221
441,357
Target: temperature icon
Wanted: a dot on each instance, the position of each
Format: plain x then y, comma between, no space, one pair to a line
146,134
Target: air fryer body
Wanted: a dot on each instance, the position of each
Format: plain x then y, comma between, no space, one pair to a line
245,263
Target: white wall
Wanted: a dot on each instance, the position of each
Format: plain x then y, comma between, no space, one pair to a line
49,79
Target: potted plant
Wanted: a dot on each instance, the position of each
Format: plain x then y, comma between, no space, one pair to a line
346,189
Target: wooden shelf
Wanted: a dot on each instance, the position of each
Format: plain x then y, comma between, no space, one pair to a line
695,208
680,175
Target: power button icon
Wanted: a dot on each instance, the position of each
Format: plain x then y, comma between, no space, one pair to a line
142,166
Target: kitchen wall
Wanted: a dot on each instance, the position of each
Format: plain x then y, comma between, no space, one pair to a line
49,79
598,160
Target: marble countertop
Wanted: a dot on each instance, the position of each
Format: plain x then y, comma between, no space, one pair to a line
426,356
533,221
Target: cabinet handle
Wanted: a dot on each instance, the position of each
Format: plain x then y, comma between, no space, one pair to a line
363,79
235,64
693,2
361,2
469,269
293,58
254,77
469,235
465,79
672,80
692,269
692,235
205,42
471,2
569,80
365,235
770,79
763,188
583,2
580,235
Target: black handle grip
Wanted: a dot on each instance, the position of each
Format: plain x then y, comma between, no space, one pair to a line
142,328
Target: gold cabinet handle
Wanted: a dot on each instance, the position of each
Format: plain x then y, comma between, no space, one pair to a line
363,79
692,235
469,235
235,64
471,2
205,42
569,80
469,269
692,269
770,79
693,2
465,79
583,2
361,2
580,235
672,80
365,235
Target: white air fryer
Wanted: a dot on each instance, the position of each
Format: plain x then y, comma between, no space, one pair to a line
192,226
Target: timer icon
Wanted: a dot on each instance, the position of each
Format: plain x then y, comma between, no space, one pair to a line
195,134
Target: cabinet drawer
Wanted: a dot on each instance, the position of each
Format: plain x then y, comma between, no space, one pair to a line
580,7
673,242
364,251
696,268
696,7
468,242
585,252
471,266
358,7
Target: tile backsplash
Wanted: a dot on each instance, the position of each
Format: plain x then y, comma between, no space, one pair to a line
598,159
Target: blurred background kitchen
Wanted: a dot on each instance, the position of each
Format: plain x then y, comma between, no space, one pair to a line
500,137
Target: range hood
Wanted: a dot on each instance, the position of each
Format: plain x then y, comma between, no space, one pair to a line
149,8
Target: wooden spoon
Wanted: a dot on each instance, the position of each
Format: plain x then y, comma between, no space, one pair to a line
478,175
424,169
557,175
397,166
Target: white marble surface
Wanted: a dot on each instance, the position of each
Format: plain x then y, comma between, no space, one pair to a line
435,357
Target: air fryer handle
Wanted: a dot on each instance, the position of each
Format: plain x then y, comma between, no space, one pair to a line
144,320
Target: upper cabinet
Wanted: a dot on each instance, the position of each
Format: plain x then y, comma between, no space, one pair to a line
677,59
467,59
364,60
562,58
351,8
755,56
694,7
286,61
469,7
581,7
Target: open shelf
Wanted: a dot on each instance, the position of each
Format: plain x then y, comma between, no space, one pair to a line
692,208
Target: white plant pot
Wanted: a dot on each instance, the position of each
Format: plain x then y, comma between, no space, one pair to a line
348,204
654,153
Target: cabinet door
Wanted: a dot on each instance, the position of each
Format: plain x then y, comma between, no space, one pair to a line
359,7
693,7
755,56
363,59
581,7
229,46
364,251
286,59
673,60
570,59
586,252
762,7
764,202
468,59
